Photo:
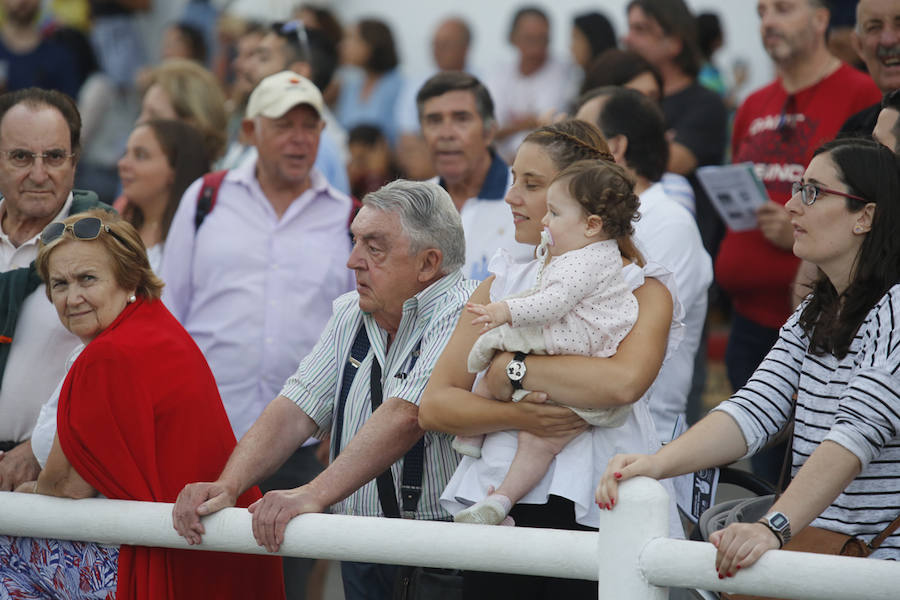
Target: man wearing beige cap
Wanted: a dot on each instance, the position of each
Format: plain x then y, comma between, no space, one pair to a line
254,282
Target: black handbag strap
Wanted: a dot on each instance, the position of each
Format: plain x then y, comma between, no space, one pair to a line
413,462
785,477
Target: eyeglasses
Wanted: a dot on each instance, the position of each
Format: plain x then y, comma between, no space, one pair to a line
88,228
809,192
21,158
295,32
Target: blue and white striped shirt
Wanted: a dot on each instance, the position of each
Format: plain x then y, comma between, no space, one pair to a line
429,316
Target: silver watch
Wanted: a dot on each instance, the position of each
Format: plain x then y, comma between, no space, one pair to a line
779,524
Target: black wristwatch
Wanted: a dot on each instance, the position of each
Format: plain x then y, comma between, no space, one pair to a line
778,523
515,370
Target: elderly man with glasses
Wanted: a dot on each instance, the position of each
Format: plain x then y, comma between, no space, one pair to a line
39,143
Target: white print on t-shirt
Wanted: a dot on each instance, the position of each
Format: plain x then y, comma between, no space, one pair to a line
773,122
775,172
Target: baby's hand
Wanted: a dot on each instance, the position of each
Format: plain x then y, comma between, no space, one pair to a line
489,315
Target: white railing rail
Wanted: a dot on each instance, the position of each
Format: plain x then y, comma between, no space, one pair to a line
630,557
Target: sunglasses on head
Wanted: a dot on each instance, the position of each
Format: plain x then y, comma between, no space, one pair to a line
294,31
88,228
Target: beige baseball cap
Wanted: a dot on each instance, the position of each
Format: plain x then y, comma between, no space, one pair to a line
277,94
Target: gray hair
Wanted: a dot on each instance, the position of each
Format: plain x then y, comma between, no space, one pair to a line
427,215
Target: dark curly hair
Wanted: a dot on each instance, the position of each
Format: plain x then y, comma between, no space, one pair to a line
605,189
570,141
871,171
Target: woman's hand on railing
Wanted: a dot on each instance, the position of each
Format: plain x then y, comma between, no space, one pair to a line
623,467
197,500
740,545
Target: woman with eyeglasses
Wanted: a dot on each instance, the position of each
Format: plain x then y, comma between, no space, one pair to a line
138,417
838,355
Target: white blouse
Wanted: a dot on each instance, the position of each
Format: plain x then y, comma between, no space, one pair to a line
576,470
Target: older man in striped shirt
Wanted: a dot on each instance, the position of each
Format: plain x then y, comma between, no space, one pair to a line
409,247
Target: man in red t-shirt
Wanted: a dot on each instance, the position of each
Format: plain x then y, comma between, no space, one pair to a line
777,128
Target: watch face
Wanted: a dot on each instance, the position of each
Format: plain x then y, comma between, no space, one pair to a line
515,370
778,521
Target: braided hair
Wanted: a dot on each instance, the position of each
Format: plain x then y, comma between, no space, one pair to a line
570,141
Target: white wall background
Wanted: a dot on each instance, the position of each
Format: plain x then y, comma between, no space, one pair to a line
413,22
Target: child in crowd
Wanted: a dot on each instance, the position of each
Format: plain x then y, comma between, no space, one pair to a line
581,305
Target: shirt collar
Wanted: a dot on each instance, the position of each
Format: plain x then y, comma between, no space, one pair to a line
245,174
495,181
428,299
62,214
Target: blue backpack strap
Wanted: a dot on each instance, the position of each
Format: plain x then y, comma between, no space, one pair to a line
206,199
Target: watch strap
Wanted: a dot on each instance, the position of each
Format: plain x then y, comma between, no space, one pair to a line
517,383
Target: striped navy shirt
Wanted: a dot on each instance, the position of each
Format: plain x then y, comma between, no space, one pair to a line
853,402
430,317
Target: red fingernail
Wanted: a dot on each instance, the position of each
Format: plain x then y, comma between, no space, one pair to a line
737,567
613,501
729,575
721,576
617,475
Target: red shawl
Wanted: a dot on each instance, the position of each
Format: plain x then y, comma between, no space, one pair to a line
139,418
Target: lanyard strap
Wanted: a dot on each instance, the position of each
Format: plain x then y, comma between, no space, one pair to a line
357,353
413,462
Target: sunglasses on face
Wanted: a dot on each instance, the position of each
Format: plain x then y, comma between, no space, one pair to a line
88,228
21,158
809,192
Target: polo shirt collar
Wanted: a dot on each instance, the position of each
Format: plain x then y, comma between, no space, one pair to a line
62,214
494,185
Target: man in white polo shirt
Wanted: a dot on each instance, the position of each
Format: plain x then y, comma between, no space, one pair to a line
457,117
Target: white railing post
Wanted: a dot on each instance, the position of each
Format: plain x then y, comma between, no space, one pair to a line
641,514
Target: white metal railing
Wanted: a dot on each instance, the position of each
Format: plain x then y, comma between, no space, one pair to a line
631,556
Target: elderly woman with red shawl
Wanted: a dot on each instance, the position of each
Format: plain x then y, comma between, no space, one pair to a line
139,416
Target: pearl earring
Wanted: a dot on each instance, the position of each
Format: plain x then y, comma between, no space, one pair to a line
132,299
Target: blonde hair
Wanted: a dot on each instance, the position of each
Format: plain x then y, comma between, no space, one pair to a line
196,97
130,265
